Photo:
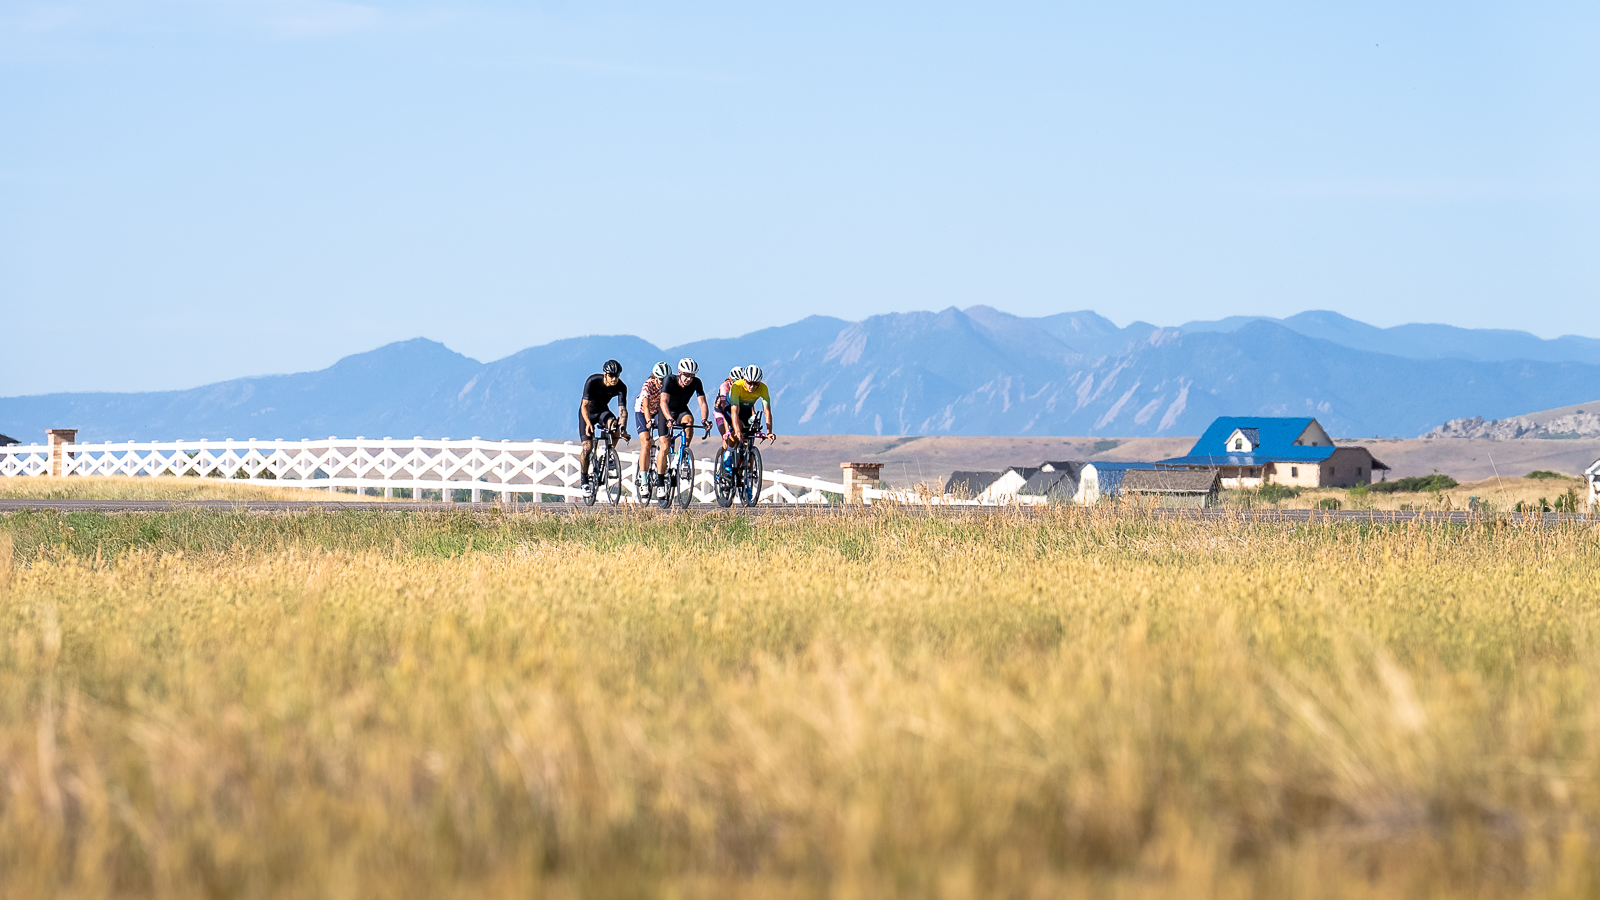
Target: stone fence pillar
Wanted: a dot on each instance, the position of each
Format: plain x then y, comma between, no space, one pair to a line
58,438
858,476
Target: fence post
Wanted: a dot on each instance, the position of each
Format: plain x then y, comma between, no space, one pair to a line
58,438
858,476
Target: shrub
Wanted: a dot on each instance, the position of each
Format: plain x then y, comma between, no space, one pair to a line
1567,502
1277,493
1434,482
1544,473
1329,503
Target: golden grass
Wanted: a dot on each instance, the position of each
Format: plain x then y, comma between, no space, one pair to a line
118,487
1500,495
403,705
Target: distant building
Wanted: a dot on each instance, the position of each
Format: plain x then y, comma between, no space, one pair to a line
1249,451
1592,475
1103,480
1008,485
1173,488
8,441
968,485
1056,482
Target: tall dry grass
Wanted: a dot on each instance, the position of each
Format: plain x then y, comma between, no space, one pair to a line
124,487
1069,704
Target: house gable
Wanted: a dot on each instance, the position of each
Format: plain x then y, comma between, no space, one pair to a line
1314,435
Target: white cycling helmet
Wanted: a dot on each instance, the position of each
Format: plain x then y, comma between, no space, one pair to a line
687,366
752,374
736,373
661,370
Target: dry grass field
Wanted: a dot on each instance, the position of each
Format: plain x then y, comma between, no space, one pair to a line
360,704
102,487
1494,495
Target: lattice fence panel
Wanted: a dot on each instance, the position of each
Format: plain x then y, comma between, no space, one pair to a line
521,467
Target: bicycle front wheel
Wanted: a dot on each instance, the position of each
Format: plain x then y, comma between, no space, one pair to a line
611,471
722,478
750,488
669,485
590,489
685,478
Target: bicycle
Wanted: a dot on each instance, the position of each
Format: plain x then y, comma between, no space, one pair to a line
607,467
679,483
740,476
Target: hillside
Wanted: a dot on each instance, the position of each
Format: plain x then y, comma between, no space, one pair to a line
1578,421
956,372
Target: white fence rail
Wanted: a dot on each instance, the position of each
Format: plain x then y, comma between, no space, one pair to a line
501,467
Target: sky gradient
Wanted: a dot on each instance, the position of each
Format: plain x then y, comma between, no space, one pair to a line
193,190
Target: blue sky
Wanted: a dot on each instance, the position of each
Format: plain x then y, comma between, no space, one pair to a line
198,189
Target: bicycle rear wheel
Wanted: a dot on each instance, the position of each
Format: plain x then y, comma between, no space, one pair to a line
722,478
750,487
611,471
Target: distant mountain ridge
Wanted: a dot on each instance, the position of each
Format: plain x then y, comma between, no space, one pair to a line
963,372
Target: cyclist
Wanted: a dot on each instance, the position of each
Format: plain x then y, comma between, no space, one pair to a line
648,417
675,397
594,410
742,397
720,406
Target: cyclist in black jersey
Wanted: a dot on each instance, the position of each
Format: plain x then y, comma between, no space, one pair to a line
594,409
676,392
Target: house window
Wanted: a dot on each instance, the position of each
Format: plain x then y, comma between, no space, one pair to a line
1358,471
1238,443
1294,471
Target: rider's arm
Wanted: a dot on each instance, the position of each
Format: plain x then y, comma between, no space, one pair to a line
705,411
583,410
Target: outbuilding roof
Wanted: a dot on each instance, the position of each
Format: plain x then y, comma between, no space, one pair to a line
1170,481
6,441
969,484
1050,484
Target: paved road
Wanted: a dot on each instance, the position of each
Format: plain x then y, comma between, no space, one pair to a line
1211,515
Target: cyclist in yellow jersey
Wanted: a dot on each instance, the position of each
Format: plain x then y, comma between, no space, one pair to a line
742,397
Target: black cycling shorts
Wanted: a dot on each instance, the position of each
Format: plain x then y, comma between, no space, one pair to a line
656,426
747,411
603,419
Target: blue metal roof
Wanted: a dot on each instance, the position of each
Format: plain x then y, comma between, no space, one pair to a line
1310,455
1275,442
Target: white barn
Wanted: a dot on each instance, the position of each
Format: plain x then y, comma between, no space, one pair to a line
1592,475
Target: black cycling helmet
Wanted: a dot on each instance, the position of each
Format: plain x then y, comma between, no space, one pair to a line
612,367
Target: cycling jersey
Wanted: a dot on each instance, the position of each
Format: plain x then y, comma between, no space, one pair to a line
600,396
678,396
741,394
649,397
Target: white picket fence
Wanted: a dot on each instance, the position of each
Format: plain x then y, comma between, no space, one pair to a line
500,467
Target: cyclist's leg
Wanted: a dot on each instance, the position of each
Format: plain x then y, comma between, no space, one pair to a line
665,443
605,426
686,419
642,425
586,445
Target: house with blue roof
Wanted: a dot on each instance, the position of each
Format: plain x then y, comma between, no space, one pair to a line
1250,451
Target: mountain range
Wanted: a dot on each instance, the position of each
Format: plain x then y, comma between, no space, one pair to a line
963,372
